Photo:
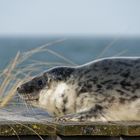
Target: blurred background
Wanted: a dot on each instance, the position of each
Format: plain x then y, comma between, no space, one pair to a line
91,28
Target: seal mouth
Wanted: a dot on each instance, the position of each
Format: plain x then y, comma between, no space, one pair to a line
29,97
26,95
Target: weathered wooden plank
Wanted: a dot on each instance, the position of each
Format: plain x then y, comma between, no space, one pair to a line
98,128
129,128
26,128
70,129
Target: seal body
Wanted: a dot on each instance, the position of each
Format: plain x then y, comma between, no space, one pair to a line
103,90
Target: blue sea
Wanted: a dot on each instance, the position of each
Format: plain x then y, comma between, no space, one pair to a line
77,49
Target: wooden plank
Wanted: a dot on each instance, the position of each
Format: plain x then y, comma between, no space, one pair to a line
26,128
129,128
97,128
70,129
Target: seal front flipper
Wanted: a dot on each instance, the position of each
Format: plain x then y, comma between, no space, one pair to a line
94,114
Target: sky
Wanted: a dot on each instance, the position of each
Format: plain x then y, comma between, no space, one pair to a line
70,17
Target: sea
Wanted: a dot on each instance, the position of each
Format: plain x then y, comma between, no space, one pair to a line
78,50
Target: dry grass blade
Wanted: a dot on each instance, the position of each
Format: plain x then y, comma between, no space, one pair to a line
107,47
11,93
31,129
44,48
37,62
60,56
8,73
15,132
120,53
28,54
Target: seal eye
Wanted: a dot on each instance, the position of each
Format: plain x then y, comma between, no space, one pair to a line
40,83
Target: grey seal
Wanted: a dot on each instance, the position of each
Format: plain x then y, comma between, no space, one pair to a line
106,89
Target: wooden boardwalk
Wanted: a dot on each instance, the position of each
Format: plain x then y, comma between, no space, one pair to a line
9,129
21,124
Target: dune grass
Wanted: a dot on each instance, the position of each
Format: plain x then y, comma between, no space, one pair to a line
14,74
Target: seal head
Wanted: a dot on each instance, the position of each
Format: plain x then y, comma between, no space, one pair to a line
40,89
33,86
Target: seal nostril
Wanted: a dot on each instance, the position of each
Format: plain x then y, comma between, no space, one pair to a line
20,90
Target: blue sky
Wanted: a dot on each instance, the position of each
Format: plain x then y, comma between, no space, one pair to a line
70,17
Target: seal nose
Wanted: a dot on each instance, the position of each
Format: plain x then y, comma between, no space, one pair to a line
20,90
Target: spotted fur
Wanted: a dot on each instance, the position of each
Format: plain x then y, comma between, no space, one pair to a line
103,90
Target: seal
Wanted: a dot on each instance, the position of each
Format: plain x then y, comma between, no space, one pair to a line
106,89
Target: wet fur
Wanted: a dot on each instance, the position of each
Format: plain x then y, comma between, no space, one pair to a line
103,90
